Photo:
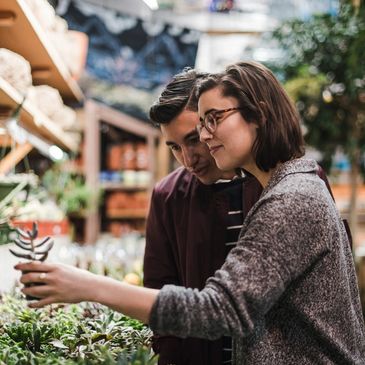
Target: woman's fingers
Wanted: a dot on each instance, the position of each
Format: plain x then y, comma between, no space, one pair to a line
64,283
43,302
38,291
33,266
35,277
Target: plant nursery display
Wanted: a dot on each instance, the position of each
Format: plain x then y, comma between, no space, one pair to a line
84,334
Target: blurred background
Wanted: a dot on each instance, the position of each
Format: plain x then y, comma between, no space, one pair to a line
77,78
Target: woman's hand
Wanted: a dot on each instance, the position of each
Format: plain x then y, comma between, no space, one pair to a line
66,284
60,283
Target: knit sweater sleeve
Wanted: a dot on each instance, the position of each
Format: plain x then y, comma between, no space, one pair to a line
282,237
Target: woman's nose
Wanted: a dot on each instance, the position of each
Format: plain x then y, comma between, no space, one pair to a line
204,135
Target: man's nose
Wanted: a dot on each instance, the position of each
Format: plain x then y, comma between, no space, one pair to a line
189,157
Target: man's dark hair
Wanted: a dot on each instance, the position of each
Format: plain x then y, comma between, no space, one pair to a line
179,94
264,102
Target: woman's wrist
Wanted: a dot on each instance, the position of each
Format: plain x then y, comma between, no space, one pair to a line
98,288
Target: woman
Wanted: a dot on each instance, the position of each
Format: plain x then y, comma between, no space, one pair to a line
287,292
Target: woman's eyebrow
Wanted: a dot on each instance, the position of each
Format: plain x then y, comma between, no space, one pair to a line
209,111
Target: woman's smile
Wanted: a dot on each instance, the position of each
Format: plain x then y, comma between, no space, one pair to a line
214,149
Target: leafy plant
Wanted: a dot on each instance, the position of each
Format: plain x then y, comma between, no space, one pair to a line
5,232
68,189
84,334
9,192
324,72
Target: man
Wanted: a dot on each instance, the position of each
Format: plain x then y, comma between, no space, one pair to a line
195,217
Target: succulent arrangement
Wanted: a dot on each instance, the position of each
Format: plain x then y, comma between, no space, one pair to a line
84,334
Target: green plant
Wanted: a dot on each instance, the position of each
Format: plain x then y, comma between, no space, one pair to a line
68,189
5,232
324,73
84,334
9,191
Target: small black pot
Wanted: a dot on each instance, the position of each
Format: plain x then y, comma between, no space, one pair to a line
30,297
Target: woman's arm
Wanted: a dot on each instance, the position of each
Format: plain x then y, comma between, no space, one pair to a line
67,284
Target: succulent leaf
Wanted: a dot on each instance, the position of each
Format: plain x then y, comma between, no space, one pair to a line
46,249
43,242
23,256
21,244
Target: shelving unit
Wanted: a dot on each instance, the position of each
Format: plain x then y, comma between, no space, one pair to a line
21,33
33,120
111,186
127,214
96,115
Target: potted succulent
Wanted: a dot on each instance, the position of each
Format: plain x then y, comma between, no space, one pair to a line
26,241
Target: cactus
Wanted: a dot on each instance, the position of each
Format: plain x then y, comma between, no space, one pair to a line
26,241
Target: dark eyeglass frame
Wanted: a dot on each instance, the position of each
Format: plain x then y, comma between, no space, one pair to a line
211,125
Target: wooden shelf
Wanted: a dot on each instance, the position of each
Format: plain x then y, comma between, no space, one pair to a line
33,120
127,213
20,32
96,114
72,168
111,186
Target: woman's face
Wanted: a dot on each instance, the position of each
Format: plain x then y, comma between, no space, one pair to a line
231,143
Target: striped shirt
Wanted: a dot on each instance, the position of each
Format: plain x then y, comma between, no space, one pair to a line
233,191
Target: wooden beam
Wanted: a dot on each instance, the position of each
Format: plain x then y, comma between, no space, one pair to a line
14,157
5,141
92,166
125,121
164,160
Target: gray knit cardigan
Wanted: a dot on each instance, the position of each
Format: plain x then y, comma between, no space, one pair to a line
287,293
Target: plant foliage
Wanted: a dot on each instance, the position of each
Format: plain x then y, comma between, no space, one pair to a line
75,334
324,71
68,189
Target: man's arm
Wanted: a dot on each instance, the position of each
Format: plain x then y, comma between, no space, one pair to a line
160,269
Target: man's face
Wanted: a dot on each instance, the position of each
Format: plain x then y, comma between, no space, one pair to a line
182,138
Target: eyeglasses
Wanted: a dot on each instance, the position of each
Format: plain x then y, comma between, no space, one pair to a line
211,120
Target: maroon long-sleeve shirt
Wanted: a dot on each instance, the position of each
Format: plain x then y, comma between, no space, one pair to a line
184,246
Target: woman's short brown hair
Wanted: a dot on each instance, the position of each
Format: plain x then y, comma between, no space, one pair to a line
264,102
